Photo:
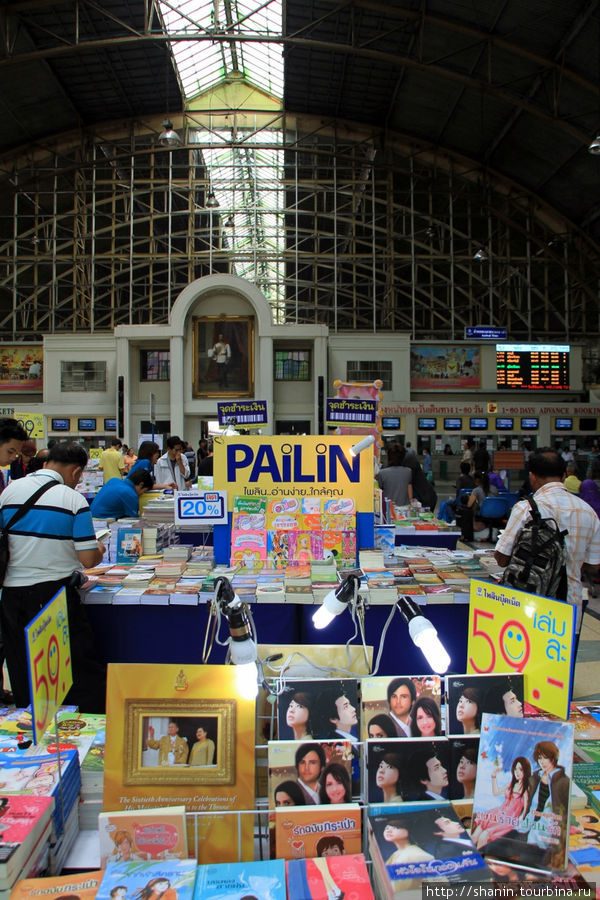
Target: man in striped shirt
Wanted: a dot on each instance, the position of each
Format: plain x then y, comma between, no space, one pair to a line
49,546
546,469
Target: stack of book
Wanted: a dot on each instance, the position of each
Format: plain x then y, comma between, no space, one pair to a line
26,825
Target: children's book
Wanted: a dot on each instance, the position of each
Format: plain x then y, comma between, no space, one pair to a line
303,832
147,834
414,844
317,708
407,769
523,790
263,878
329,877
81,885
469,696
22,821
309,772
382,695
167,880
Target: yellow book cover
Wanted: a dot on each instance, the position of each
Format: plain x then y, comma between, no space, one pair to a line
305,832
183,735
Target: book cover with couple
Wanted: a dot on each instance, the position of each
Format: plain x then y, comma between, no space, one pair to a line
521,804
412,844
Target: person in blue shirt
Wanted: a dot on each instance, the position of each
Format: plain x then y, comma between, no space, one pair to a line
121,496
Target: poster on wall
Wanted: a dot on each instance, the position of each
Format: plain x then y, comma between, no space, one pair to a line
439,367
223,356
21,367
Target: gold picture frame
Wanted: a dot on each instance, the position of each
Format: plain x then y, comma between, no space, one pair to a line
223,349
144,717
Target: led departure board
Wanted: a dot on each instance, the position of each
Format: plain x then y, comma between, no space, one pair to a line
532,367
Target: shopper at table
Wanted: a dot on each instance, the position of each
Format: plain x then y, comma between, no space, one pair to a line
120,497
49,547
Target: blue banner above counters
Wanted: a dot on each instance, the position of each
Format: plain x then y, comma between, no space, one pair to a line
351,411
485,333
245,413
285,466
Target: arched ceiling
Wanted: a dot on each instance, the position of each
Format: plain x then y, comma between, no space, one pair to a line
512,85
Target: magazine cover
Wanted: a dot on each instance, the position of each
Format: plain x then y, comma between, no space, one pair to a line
388,706
309,772
170,880
303,833
264,879
148,834
22,821
522,794
401,769
329,878
463,767
321,709
81,885
413,844
469,696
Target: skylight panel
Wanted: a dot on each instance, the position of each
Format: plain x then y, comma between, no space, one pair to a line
203,64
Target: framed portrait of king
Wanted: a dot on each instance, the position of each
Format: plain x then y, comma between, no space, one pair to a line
223,356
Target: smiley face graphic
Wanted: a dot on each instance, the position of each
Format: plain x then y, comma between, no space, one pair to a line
515,645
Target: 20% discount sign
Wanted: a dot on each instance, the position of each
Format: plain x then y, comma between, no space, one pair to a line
49,661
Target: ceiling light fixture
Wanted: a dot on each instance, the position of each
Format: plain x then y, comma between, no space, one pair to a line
481,254
169,137
211,201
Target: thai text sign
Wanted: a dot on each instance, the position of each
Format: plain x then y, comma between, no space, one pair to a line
513,631
304,466
245,413
350,411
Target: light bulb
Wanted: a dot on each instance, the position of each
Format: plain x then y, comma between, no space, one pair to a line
362,445
336,601
425,637
246,680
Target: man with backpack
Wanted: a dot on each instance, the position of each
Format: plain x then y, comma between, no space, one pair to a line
567,514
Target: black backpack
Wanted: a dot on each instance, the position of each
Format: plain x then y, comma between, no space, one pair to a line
538,561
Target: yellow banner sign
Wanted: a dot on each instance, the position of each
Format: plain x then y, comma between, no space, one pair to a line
285,466
33,423
513,631
49,661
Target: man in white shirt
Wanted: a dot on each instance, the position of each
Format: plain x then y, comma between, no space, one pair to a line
173,467
221,353
546,469
310,762
401,694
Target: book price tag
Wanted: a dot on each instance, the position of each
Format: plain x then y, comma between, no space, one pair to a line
511,631
49,661
201,507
